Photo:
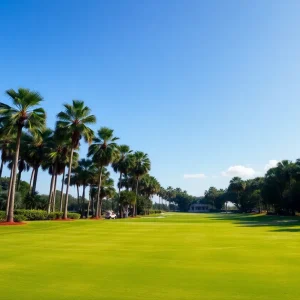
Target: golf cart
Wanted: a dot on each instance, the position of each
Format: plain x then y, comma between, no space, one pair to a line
110,215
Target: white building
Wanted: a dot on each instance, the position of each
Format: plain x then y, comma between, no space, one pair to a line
200,208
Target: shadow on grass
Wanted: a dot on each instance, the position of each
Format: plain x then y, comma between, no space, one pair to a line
281,223
287,230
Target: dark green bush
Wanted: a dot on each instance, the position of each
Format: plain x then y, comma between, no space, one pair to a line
37,215
73,216
2,215
32,214
151,212
19,218
55,215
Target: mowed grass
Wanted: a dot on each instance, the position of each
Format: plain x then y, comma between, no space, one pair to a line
181,256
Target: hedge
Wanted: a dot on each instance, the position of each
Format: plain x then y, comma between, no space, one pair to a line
73,216
36,215
2,215
32,214
151,212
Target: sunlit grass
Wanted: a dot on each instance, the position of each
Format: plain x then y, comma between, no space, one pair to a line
180,256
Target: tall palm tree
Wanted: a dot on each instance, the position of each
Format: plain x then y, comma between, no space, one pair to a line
74,121
140,166
170,193
75,180
93,183
7,143
84,171
149,186
24,114
107,190
38,152
22,166
104,151
58,158
122,165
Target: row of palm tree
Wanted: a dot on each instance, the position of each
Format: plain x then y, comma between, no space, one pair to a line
26,143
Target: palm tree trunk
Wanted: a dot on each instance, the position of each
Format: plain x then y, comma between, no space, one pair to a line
134,212
50,193
100,208
62,190
98,194
65,216
78,198
9,190
88,208
82,204
1,167
92,204
19,179
35,180
54,193
120,206
10,215
31,178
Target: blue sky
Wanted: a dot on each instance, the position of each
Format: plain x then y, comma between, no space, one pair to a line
204,87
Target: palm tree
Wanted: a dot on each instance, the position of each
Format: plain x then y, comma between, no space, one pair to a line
93,183
74,121
38,152
104,151
22,166
140,166
7,141
149,186
122,165
75,180
24,114
84,172
58,158
107,190
170,193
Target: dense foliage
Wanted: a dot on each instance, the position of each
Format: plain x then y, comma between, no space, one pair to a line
277,192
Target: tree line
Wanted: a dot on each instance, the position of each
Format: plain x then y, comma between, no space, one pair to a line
277,192
26,143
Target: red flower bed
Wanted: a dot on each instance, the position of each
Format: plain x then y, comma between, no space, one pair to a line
12,223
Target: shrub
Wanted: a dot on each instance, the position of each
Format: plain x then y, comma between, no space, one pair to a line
37,215
151,212
55,215
73,216
32,215
19,218
2,215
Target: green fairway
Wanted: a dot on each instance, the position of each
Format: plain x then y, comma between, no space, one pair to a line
180,256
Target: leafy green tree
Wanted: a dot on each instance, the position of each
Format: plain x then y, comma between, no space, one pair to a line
237,187
127,199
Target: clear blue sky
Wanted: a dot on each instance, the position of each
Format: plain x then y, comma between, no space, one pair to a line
201,86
